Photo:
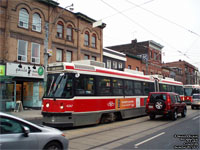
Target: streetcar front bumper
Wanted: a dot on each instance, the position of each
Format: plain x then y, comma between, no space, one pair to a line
59,120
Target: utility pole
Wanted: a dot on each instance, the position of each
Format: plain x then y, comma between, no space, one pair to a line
46,42
46,55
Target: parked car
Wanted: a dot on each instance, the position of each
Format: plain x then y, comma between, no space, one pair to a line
16,133
165,103
196,101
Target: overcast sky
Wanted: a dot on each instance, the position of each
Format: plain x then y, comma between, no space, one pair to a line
175,24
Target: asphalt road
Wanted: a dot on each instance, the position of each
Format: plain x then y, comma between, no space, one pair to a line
138,133
183,135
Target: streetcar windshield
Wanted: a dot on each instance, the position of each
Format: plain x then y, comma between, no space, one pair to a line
59,85
188,91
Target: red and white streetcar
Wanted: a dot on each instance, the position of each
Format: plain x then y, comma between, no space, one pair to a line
85,92
189,90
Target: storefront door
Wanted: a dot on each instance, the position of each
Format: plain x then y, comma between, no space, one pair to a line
19,92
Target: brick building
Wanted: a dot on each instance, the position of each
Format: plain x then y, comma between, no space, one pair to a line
150,53
184,71
22,36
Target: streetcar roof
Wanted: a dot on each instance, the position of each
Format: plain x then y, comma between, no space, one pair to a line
85,68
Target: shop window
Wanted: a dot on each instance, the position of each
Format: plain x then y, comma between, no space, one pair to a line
27,91
86,39
137,69
23,18
94,41
84,85
36,23
68,56
69,33
58,55
129,66
22,50
35,57
60,28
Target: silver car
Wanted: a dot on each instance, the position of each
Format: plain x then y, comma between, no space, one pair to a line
196,101
16,133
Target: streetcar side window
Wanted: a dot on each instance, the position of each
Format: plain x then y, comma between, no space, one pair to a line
138,88
179,90
163,88
128,87
84,85
103,86
148,87
117,86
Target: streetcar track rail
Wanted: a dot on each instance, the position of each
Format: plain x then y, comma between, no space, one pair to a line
134,134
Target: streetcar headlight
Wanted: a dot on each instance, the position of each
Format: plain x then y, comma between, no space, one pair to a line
47,105
61,107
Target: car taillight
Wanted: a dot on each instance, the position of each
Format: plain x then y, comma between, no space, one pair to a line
147,102
168,102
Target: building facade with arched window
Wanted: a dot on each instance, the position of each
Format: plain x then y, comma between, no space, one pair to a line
22,38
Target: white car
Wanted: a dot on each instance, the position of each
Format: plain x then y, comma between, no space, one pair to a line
16,133
196,101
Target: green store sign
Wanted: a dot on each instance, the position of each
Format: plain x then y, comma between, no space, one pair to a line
40,71
2,70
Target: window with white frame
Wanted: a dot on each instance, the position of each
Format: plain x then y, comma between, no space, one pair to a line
94,41
36,24
23,18
114,65
120,65
68,56
60,27
59,55
22,50
69,33
109,64
86,39
35,53
94,58
86,57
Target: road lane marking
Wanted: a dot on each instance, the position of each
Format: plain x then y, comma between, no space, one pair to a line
195,118
136,145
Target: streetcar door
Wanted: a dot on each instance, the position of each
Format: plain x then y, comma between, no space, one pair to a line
156,85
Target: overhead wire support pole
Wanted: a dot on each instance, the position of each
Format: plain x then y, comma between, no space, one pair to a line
46,42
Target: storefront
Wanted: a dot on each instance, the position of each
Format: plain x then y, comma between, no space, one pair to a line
26,85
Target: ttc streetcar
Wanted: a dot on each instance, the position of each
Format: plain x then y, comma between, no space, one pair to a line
85,92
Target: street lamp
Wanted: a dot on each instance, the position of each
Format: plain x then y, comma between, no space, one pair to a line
46,40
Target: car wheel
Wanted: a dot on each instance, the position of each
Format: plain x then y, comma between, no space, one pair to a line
53,146
174,115
152,117
192,107
183,114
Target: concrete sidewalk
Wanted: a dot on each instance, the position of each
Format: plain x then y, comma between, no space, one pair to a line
28,114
